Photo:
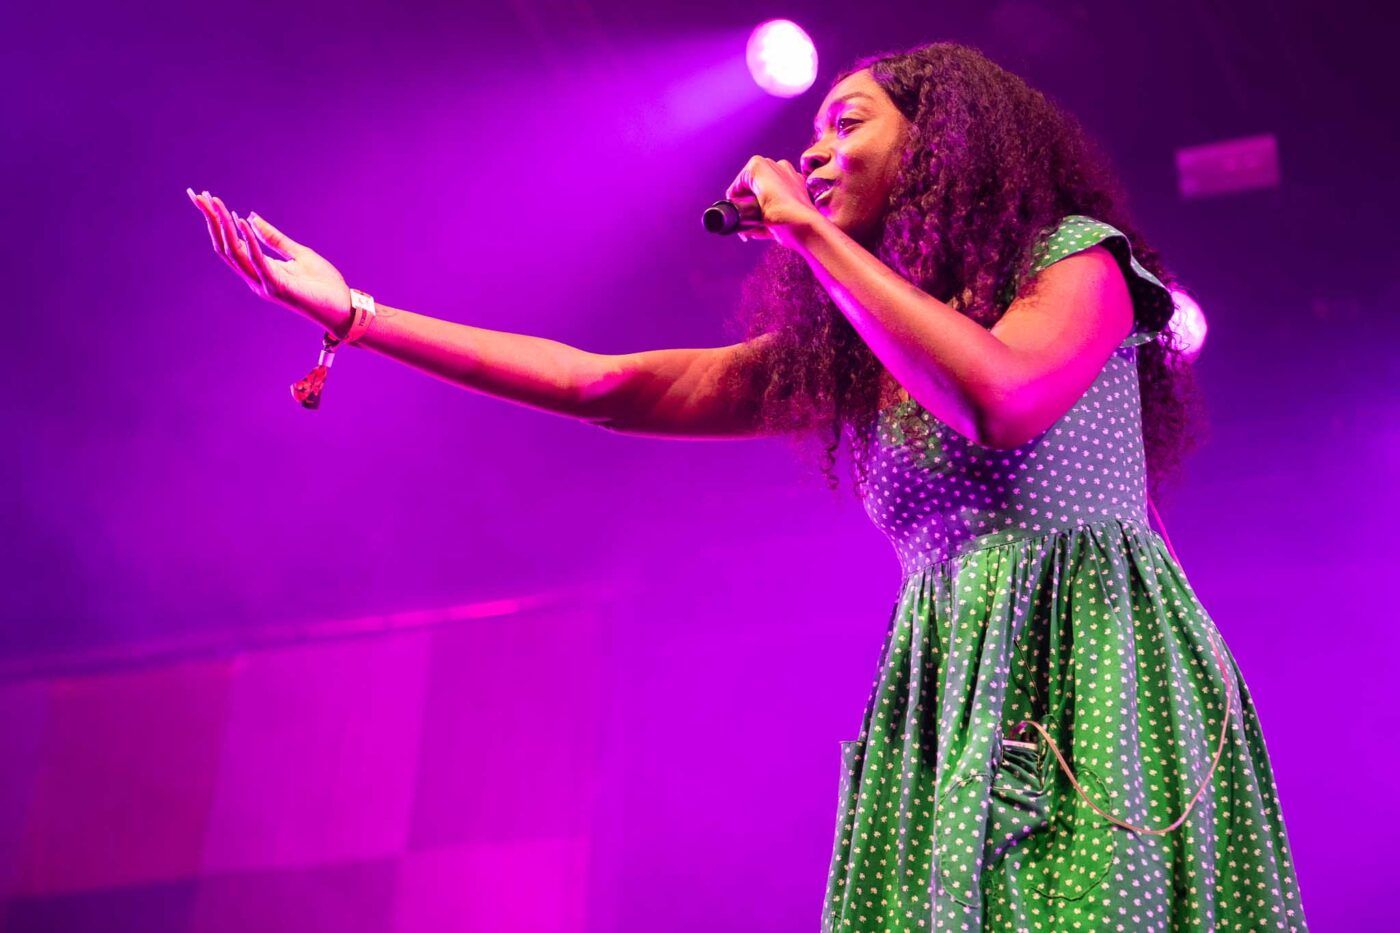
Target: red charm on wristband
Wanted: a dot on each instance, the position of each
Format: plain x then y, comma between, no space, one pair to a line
308,390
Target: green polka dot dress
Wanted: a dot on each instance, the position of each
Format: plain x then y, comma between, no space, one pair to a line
1033,590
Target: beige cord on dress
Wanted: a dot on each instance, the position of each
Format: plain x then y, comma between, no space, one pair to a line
1219,749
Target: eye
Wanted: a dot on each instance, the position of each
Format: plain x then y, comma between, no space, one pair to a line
843,125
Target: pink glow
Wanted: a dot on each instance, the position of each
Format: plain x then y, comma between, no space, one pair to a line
781,58
1188,323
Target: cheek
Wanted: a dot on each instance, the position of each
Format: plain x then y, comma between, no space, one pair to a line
877,160
888,168
859,171
870,177
895,162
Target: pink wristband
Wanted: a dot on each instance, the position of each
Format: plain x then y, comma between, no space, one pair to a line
308,390
361,316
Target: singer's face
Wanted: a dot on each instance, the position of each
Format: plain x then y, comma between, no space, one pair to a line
858,138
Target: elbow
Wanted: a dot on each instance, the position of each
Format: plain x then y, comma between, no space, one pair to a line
1004,419
1001,435
983,418
594,393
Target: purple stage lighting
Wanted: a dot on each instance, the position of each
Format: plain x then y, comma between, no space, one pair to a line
781,58
1229,166
1188,323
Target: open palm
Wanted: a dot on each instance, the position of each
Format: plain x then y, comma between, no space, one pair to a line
302,280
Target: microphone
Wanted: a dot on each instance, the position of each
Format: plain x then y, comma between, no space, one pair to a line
721,217
726,216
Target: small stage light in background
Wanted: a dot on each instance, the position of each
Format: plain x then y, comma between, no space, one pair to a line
781,58
1227,167
1188,323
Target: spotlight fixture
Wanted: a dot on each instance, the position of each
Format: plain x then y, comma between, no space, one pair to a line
781,58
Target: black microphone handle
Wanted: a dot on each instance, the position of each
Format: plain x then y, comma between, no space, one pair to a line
721,217
733,216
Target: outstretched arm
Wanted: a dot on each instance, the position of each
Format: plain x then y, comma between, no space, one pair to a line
679,392
661,393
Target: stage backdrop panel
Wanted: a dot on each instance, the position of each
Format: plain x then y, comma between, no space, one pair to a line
125,778
320,754
23,709
436,774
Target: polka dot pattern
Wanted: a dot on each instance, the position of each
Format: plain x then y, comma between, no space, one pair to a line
1033,588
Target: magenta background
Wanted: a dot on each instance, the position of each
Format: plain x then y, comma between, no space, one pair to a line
618,704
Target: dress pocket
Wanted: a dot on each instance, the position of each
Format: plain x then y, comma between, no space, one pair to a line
850,766
1008,792
1020,798
847,799
1078,852
1051,842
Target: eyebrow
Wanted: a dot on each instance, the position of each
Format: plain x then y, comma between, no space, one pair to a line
817,126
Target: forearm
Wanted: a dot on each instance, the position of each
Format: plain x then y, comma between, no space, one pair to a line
949,363
534,371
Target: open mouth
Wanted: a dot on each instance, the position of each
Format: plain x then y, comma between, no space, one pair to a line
821,192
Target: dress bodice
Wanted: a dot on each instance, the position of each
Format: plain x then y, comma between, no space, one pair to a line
934,497
938,495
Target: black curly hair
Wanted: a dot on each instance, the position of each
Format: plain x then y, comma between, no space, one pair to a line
991,166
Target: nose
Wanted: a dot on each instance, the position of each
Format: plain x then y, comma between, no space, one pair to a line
814,158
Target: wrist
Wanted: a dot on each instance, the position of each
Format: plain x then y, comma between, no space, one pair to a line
335,318
356,319
339,325
809,228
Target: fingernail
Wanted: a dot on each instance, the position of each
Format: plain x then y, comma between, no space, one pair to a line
253,215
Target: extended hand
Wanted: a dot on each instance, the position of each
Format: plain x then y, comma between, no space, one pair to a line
778,193
304,281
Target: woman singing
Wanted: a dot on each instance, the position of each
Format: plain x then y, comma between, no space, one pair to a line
1057,737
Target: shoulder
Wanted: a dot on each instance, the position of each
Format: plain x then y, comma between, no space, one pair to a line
1077,236
1084,290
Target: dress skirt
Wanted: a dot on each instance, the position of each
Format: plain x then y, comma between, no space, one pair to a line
957,813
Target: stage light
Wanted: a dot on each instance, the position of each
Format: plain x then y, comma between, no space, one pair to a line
1188,323
781,58
1227,167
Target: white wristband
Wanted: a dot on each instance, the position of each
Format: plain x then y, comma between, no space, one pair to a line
361,316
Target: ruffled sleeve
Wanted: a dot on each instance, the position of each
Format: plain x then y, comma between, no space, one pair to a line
1152,302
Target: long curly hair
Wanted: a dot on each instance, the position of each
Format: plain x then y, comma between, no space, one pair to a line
991,166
